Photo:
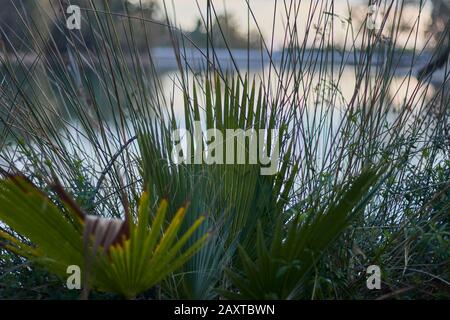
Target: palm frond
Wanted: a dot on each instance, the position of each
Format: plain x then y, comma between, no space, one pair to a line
279,271
130,262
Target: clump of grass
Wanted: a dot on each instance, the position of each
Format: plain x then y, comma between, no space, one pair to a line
98,117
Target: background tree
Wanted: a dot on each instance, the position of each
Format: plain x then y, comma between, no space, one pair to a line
223,32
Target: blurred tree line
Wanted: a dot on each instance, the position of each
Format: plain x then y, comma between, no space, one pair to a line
223,33
50,17
439,28
147,31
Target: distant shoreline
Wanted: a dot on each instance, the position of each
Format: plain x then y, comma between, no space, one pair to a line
165,60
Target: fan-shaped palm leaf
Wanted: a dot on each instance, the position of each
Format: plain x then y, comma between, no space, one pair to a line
134,257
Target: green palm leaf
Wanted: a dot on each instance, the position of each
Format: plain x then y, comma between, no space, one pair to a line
243,195
130,262
279,272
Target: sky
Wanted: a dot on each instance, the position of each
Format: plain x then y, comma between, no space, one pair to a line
186,13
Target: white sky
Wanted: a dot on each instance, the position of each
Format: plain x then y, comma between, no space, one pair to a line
187,13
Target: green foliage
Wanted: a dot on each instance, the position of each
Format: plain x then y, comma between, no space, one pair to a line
77,107
243,196
280,271
132,266
23,279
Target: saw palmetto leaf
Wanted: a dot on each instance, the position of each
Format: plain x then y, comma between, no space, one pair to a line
242,196
279,270
115,256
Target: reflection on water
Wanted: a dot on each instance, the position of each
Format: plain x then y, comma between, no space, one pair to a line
311,90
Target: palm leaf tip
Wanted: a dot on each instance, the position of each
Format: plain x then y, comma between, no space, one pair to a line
134,258
298,245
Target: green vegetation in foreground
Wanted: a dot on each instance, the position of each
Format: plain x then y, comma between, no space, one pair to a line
359,182
127,257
